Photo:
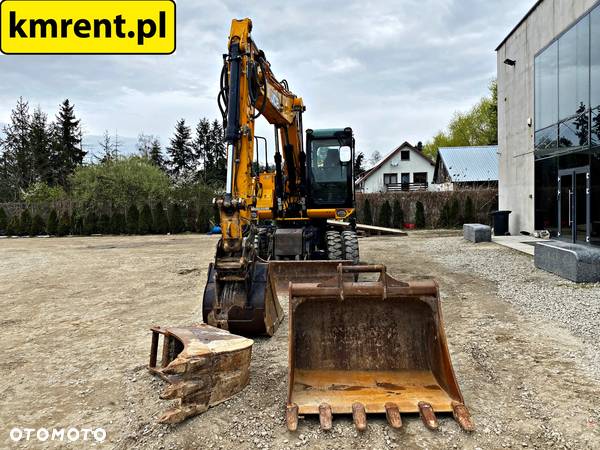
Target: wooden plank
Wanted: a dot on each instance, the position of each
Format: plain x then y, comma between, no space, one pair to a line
369,228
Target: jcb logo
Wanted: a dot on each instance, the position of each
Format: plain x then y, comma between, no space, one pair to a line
87,27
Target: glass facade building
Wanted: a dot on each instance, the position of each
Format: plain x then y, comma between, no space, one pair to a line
567,133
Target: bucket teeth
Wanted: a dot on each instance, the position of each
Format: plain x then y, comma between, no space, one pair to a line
291,417
359,415
463,417
392,414
428,416
325,417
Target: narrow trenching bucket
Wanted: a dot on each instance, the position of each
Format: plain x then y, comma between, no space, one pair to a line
368,347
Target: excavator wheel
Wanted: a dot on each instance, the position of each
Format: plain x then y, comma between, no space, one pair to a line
335,246
351,252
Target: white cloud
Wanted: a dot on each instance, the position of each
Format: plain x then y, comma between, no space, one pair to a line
393,70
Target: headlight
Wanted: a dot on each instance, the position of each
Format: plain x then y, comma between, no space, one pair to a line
341,213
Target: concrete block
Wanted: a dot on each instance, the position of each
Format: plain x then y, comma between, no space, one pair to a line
475,232
578,263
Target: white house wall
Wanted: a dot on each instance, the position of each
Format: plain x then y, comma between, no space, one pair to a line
417,164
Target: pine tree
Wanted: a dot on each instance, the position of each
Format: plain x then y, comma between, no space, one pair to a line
202,151
3,220
367,214
217,146
175,218
41,148
107,150
103,225
64,225
161,222
13,226
52,226
38,226
156,155
145,224
133,218
202,223
181,152
67,135
90,223
398,215
385,215
17,162
420,215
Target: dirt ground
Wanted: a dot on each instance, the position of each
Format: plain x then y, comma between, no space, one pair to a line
74,330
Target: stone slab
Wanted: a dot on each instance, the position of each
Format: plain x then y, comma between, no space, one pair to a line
476,232
575,262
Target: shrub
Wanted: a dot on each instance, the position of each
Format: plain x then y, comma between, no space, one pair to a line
41,192
64,225
161,222
120,182
398,215
103,225
3,221
52,226
13,226
385,215
175,218
25,223
117,223
90,223
76,224
38,226
145,225
469,211
133,218
420,215
444,220
190,221
367,216
454,214
203,222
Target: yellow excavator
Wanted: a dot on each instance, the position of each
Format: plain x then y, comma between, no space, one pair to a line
360,342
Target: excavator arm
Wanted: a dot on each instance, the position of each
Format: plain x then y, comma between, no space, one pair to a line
250,90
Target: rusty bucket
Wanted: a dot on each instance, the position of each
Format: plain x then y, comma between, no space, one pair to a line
369,347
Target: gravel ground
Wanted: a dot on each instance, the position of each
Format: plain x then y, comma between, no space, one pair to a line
75,348
573,306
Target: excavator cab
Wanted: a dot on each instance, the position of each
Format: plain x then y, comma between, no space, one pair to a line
329,157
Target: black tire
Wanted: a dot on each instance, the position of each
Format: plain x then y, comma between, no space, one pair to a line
335,246
351,252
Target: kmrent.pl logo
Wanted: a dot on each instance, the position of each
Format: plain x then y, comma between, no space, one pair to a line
57,434
87,26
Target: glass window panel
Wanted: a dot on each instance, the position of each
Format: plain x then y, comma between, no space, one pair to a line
546,87
595,53
573,70
595,127
546,140
574,133
546,184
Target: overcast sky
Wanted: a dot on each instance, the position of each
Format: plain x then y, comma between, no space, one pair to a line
393,70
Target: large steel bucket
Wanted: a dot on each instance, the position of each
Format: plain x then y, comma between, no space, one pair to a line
361,347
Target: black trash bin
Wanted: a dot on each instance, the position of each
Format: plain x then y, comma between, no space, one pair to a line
500,220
